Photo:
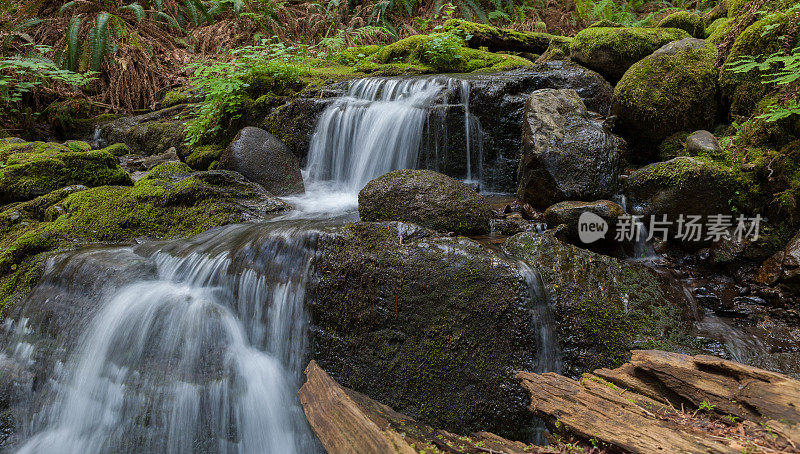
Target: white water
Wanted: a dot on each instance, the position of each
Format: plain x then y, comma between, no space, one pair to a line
378,126
207,357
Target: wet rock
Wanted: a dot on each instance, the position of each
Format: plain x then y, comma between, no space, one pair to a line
567,154
612,50
703,143
682,187
293,123
149,134
33,169
672,90
262,158
568,213
783,267
429,325
601,306
427,198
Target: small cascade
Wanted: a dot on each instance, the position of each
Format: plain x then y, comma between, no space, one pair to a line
548,358
381,125
206,356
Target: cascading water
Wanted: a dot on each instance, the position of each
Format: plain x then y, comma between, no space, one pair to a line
381,125
205,356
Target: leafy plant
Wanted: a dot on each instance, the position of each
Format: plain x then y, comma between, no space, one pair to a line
778,68
225,84
442,51
706,406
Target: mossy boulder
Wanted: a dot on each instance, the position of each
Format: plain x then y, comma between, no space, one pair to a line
445,52
682,187
674,89
434,326
612,50
557,50
690,22
745,90
262,158
426,198
719,11
201,158
718,30
566,153
175,97
37,168
601,307
149,134
758,132
499,39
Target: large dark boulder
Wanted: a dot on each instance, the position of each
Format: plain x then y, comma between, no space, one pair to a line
262,158
612,50
682,186
672,90
567,153
426,198
601,306
433,326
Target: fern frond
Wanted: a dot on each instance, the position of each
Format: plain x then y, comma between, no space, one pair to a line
136,9
73,52
99,40
66,6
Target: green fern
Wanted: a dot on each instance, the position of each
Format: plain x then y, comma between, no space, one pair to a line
98,40
136,9
73,51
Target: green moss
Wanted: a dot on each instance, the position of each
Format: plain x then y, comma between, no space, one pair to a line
495,38
669,92
719,29
745,90
118,149
557,50
354,55
673,146
202,157
612,50
174,98
442,52
47,167
759,132
690,22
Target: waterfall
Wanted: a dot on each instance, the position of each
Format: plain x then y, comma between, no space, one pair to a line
207,356
380,125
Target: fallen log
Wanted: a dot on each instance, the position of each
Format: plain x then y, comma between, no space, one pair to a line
725,407
346,421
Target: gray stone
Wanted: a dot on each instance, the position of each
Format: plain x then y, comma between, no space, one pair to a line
263,159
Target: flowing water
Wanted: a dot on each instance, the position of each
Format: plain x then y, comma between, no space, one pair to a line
381,125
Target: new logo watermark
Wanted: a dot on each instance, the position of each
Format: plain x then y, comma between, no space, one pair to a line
715,227
591,227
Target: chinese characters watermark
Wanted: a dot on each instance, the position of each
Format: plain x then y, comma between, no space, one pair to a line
688,228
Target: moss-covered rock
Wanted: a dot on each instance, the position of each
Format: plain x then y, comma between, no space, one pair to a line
37,168
683,187
601,306
149,134
690,22
174,98
499,39
557,50
719,11
434,326
673,90
612,50
202,157
445,52
169,201
759,132
744,90
426,198
718,30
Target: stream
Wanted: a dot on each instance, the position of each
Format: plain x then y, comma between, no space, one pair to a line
198,344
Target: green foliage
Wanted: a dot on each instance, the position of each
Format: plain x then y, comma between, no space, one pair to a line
20,75
623,13
778,68
442,51
225,85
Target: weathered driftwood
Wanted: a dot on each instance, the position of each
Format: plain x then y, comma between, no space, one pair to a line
635,408
346,421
